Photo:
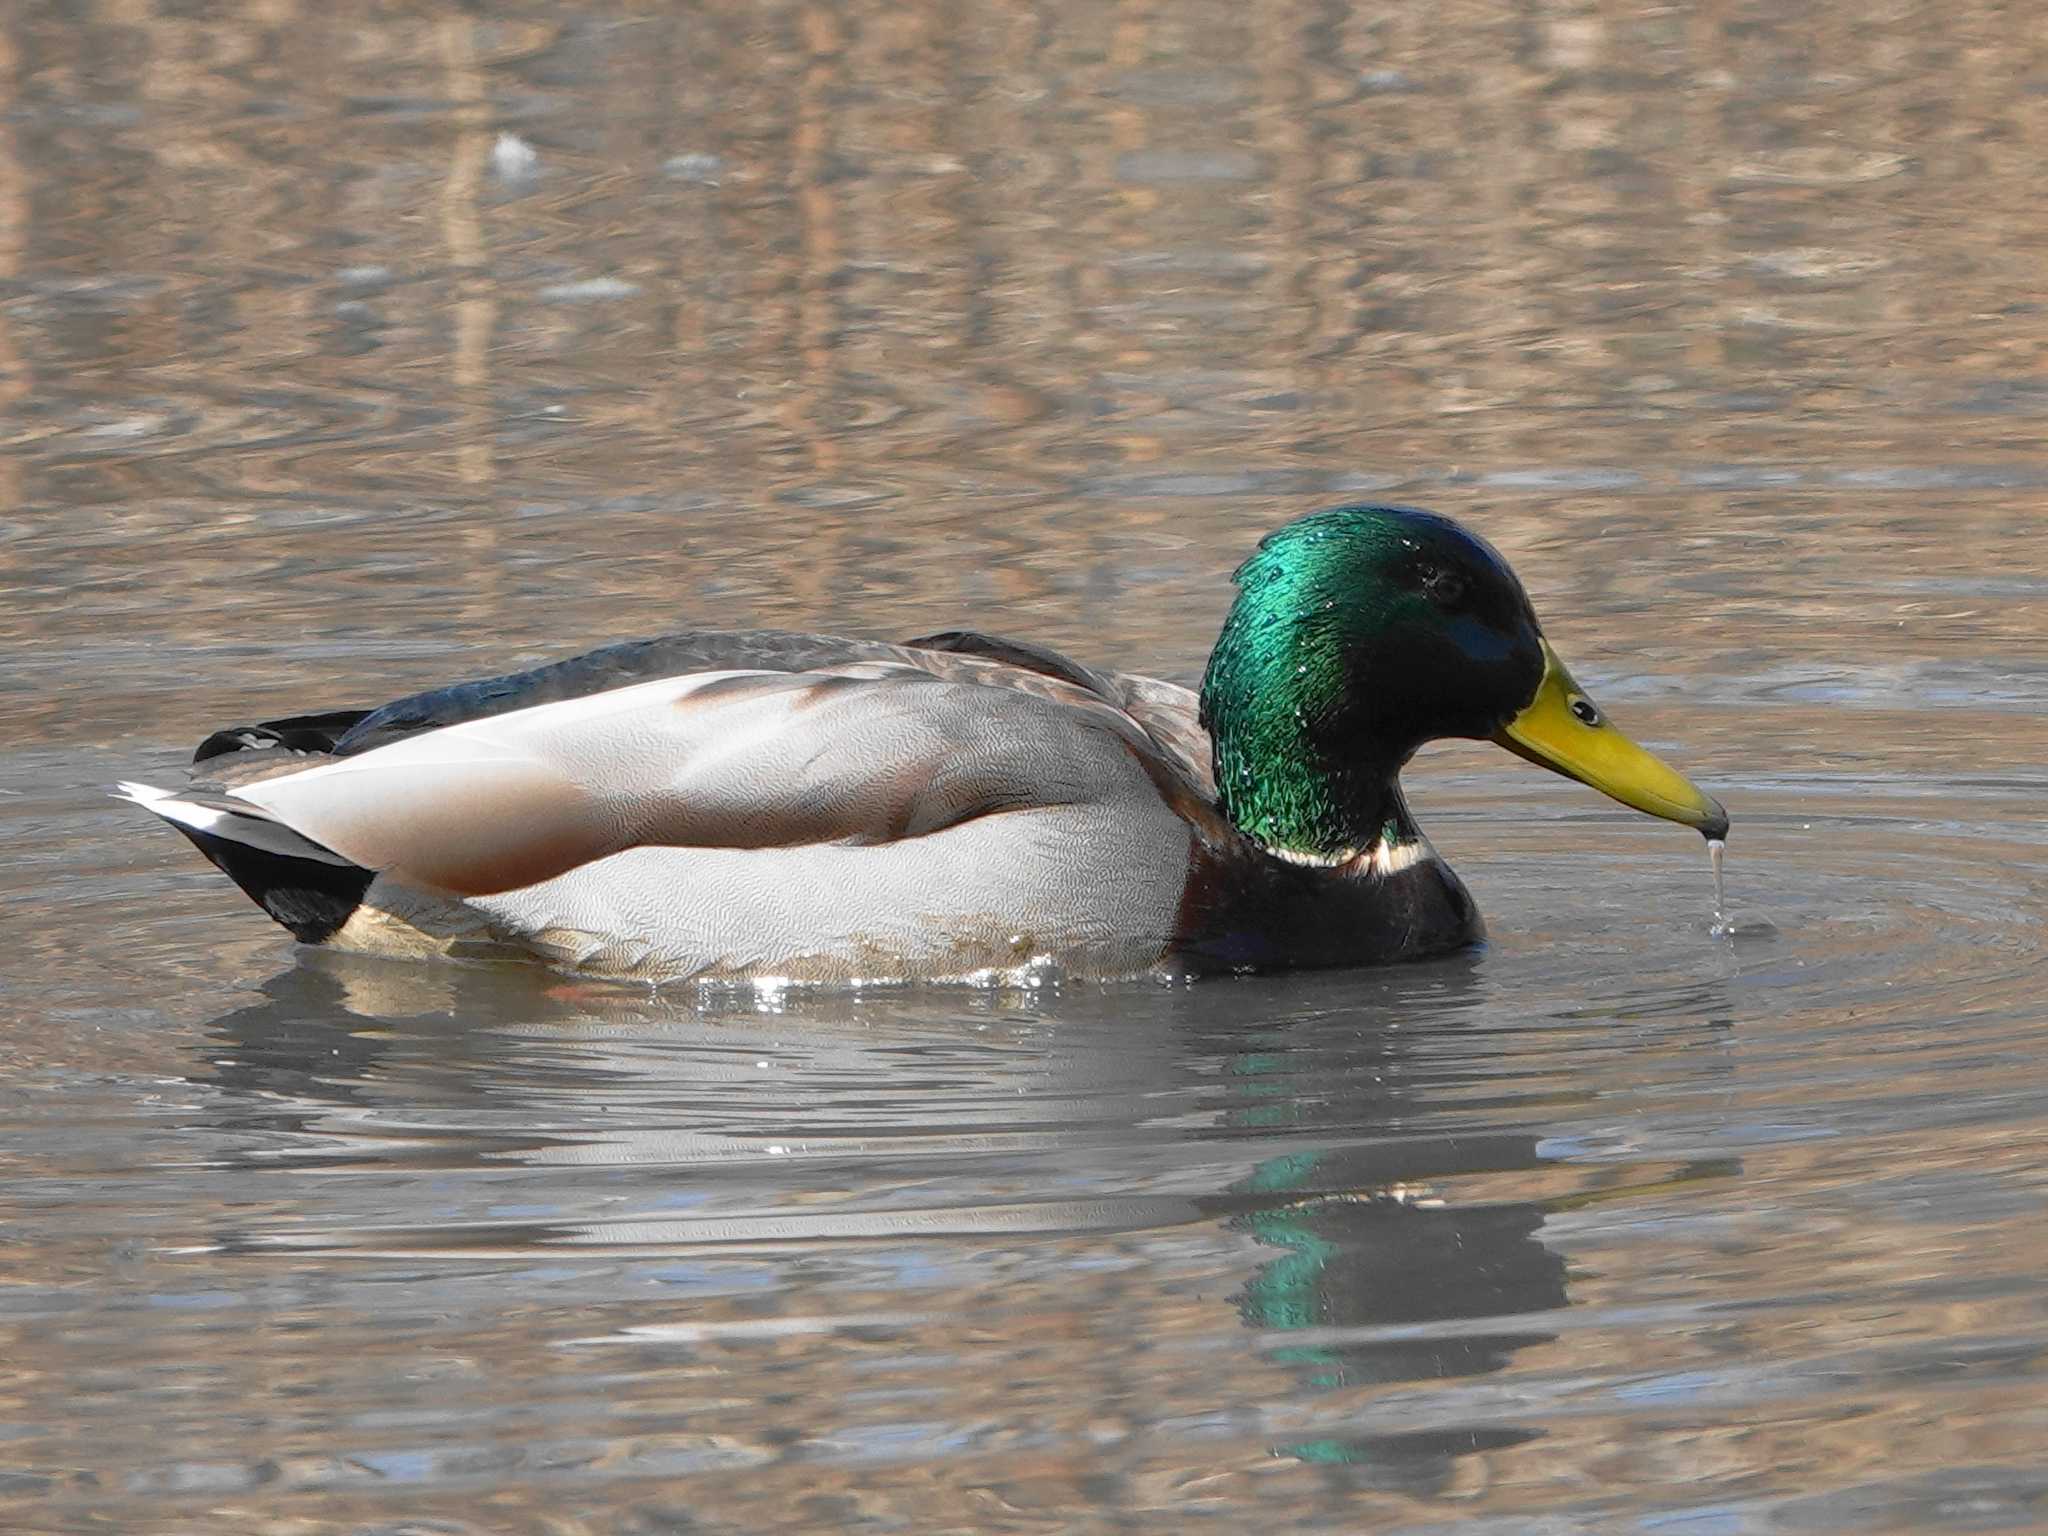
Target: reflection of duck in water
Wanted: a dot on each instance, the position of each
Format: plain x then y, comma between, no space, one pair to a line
1356,1260
612,1123
1368,1260
757,804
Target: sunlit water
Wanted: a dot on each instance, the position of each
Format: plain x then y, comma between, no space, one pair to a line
1663,1212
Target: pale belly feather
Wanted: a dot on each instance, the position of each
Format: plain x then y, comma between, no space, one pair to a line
1091,890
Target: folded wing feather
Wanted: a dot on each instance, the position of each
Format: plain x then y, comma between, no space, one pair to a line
737,759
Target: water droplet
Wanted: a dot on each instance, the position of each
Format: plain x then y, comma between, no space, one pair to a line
1721,927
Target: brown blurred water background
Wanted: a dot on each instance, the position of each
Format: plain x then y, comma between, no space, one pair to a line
347,349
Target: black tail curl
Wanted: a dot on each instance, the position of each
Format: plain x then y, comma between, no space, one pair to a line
297,733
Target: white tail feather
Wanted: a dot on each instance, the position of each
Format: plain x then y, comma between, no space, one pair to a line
251,827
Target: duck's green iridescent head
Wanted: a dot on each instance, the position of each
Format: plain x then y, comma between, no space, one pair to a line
1362,632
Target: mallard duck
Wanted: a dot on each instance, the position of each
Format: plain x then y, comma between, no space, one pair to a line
756,804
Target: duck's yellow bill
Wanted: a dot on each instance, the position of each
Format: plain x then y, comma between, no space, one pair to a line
1563,730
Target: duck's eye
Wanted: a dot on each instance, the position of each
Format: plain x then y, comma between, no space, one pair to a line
1585,710
1445,587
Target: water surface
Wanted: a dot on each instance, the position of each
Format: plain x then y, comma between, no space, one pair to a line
341,354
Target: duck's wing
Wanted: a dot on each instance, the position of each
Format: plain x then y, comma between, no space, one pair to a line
239,753
866,751
1166,712
602,670
346,732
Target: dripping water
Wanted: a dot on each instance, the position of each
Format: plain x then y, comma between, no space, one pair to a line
1721,927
